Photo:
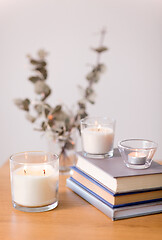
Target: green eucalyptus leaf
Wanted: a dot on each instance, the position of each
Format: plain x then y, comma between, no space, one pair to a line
26,104
101,67
41,87
18,102
51,123
43,71
34,79
30,118
81,105
61,116
89,91
82,114
22,104
44,126
100,49
38,62
90,95
46,94
93,76
57,109
91,101
46,111
38,108
42,54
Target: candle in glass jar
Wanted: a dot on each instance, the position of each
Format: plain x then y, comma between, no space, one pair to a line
35,185
97,139
137,158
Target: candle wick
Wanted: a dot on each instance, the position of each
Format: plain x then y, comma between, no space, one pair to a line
44,171
24,171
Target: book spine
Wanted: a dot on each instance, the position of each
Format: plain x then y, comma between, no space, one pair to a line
94,181
76,169
100,175
89,198
109,204
119,213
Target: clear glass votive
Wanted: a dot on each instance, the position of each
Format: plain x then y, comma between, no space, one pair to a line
97,134
137,153
34,181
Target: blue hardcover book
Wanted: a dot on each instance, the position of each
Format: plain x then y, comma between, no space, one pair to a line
114,200
114,213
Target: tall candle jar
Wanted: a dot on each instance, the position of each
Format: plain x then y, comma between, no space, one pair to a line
97,134
34,181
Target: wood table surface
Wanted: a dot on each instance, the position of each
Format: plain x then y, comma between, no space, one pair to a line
74,218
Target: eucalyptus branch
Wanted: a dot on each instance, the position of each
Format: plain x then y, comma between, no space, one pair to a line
58,120
93,77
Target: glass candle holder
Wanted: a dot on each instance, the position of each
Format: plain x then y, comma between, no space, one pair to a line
137,153
34,181
97,134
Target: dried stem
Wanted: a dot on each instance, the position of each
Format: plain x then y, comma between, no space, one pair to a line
57,120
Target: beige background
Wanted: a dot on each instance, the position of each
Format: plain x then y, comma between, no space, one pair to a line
131,89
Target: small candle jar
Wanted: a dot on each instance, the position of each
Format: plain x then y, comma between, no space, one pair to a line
137,153
34,181
97,136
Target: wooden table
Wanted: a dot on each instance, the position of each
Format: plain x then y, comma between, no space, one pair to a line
74,218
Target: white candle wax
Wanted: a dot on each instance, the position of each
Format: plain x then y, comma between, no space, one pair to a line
35,186
137,158
97,140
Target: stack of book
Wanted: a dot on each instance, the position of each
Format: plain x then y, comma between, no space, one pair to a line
116,190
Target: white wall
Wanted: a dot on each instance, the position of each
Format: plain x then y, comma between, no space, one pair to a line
130,91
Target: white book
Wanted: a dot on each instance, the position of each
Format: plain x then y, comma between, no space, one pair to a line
118,213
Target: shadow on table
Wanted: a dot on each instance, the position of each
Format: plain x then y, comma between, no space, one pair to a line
69,199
